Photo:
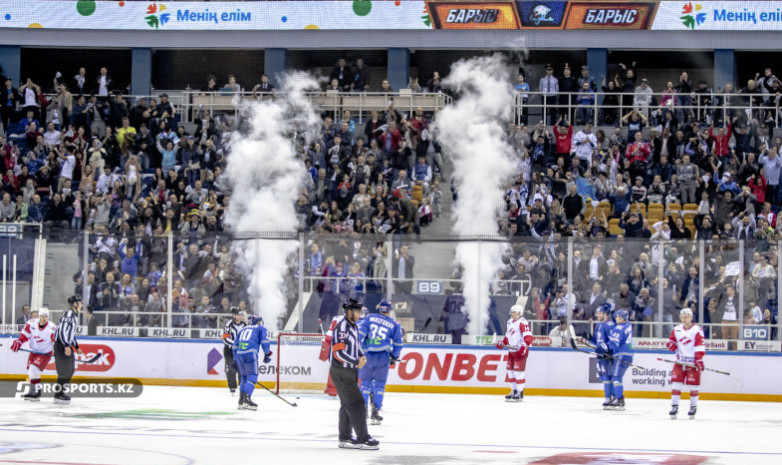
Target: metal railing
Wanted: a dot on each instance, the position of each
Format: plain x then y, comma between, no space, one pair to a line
593,107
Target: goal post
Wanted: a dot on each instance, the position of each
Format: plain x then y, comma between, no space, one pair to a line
299,370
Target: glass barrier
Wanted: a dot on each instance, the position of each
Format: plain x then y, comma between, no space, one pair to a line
183,284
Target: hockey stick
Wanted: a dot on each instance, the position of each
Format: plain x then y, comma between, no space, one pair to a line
575,347
320,323
426,324
92,359
688,365
276,395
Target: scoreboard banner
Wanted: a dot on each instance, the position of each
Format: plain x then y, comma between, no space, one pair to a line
156,16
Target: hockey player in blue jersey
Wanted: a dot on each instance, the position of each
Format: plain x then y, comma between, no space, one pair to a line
381,339
619,346
249,341
600,338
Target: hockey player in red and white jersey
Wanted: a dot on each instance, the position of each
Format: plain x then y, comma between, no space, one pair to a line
686,341
39,333
518,339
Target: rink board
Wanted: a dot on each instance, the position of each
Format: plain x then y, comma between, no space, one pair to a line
442,369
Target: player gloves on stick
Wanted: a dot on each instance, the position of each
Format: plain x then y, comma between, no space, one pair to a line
600,340
619,344
517,340
249,341
686,340
381,340
39,332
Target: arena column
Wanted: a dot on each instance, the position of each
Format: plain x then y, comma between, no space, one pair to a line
275,62
724,68
597,60
398,68
141,71
11,61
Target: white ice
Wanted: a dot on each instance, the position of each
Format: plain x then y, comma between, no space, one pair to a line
188,425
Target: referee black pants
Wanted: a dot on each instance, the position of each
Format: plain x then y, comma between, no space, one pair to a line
65,366
352,410
231,375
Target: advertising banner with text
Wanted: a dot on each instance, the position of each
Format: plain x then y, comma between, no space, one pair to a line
424,368
719,16
392,15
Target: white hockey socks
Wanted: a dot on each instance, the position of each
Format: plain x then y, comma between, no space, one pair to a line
676,393
694,393
520,380
35,377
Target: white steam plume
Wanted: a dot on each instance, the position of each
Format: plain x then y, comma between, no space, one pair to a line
472,131
265,178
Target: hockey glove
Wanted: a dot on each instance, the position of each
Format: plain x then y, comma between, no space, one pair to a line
601,348
392,361
523,350
16,345
267,357
699,364
502,344
671,345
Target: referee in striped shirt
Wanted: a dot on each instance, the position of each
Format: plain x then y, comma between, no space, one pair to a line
346,359
64,345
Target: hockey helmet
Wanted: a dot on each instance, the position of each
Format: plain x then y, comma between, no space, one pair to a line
516,309
624,314
352,304
685,311
236,310
43,312
255,320
73,299
385,306
605,308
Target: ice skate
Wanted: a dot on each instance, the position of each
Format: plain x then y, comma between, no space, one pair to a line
509,397
33,396
674,411
370,444
348,443
62,399
375,418
241,400
692,411
249,404
617,405
517,397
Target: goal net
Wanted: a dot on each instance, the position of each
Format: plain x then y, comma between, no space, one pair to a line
299,370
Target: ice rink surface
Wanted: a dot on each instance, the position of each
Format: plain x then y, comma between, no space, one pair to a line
188,425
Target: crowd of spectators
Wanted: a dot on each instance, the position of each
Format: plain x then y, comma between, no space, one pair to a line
125,170
708,175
